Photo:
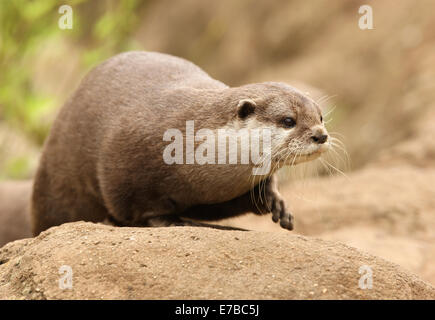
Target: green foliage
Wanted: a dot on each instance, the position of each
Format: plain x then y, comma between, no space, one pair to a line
100,29
22,27
16,166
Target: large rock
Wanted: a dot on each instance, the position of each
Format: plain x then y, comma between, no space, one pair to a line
194,263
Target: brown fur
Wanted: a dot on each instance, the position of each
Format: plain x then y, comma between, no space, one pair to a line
103,157
15,211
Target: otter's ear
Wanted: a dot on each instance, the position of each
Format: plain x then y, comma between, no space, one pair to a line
245,108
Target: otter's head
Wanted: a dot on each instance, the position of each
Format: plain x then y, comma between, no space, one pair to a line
298,133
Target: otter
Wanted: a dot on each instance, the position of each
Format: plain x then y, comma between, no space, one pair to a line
103,157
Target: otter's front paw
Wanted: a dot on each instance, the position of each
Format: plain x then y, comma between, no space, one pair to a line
281,214
276,205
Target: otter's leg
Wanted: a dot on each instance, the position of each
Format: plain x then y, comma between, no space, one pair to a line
174,220
263,199
268,199
170,221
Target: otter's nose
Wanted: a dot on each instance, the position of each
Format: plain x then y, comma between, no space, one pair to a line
320,139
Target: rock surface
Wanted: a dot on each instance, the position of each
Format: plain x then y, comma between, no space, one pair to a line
194,263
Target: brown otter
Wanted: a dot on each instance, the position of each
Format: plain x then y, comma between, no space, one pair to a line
103,157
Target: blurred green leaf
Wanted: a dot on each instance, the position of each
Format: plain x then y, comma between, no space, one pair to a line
16,168
100,30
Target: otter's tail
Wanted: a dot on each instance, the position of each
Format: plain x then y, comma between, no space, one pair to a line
15,210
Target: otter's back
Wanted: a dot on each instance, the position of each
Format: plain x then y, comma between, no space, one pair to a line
157,70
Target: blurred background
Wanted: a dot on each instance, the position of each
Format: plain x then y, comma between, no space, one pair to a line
379,86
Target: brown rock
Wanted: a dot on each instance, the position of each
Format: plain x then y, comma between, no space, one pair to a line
194,263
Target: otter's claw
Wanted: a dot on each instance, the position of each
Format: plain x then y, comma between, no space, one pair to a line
279,213
276,205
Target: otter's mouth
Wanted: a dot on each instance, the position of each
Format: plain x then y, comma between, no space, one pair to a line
294,159
307,156
310,154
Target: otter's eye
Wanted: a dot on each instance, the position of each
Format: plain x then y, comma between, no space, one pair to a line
289,122
321,119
